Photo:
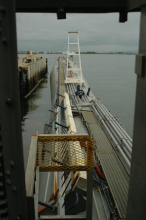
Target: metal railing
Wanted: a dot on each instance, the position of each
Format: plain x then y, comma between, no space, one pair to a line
64,152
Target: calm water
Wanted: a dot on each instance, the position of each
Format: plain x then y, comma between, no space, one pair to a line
111,78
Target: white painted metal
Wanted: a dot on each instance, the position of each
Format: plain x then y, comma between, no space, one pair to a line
58,175
77,150
100,205
31,164
46,191
116,128
114,119
77,71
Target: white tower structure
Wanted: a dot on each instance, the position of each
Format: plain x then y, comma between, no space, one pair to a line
73,71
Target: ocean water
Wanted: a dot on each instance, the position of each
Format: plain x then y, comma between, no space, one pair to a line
111,78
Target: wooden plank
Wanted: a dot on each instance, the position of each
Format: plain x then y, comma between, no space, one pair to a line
31,164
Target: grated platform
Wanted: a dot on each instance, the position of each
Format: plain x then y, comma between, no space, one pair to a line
114,171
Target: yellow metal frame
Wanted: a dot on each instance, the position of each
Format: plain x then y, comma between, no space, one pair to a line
77,153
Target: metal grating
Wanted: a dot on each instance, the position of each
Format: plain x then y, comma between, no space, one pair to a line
64,153
114,171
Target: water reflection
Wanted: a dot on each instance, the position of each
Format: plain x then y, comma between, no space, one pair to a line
33,114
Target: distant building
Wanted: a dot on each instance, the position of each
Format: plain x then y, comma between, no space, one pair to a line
59,51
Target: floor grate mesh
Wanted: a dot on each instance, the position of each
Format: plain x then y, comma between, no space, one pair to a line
114,171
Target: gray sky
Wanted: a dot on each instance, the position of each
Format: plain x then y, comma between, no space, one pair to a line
98,32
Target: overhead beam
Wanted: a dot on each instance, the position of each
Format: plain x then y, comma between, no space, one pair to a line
76,6
135,4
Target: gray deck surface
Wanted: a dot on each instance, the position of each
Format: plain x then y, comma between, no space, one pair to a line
114,171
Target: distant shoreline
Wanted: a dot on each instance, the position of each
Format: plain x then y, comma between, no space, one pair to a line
118,53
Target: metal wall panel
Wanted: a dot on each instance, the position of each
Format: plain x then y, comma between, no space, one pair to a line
76,6
137,187
10,113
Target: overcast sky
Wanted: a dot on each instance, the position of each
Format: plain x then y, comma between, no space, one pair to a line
98,32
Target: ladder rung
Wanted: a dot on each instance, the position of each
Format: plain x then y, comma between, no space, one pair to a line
73,43
52,111
60,106
73,32
59,95
73,69
73,54
64,126
49,125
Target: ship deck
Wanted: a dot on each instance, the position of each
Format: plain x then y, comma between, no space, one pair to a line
116,175
114,171
87,123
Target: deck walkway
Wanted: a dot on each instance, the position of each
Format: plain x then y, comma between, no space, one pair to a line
114,171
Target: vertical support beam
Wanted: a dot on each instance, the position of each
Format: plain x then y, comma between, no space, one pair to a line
28,79
60,207
10,113
67,57
89,194
79,56
137,187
